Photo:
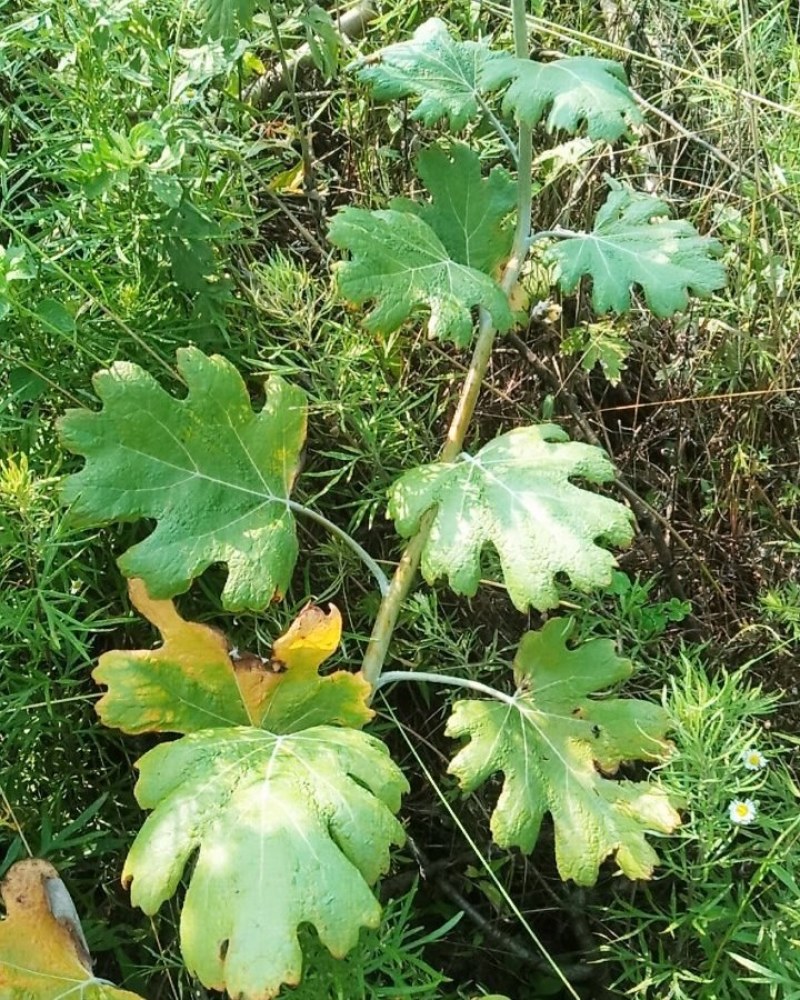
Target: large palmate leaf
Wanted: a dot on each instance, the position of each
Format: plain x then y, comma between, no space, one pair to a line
555,747
516,494
289,830
450,77
575,90
398,261
194,681
43,953
634,243
213,474
468,212
443,72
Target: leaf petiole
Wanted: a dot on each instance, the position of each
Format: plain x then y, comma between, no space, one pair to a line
449,680
554,234
500,128
380,577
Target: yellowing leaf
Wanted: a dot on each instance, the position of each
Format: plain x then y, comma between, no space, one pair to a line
289,181
192,682
277,832
43,953
292,696
188,683
311,638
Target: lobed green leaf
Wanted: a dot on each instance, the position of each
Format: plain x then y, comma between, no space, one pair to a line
442,71
451,78
634,242
470,213
214,475
568,92
225,19
557,747
400,263
516,494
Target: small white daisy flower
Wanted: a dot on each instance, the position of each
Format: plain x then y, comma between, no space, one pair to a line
742,811
753,759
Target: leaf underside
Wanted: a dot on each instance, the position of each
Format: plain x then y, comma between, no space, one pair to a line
633,242
288,830
516,495
556,748
194,681
213,474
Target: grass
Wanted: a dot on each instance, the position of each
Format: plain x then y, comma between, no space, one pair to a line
144,205
722,918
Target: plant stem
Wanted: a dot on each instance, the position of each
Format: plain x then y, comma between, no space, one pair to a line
500,128
449,680
403,578
380,577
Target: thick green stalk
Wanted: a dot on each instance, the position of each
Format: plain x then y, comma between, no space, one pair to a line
403,578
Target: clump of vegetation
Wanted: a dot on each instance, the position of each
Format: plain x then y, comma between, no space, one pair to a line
722,918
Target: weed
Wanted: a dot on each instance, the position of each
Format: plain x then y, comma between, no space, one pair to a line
722,918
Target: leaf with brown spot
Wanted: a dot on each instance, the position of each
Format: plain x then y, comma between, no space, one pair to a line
43,954
296,697
191,682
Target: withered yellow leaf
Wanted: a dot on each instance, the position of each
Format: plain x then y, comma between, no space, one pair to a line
311,638
295,693
193,682
43,953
